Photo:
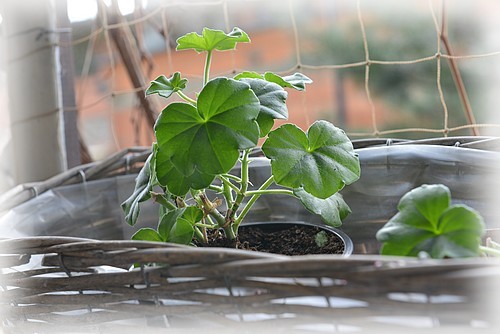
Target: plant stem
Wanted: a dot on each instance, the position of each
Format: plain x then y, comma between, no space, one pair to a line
252,200
160,199
232,177
241,193
211,210
206,73
270,191
186,98
204,225
228,183
490,251
199,234
216,189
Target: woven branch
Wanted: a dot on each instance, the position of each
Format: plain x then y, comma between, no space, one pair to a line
81,280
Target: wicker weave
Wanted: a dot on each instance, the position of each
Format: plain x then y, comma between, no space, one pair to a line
73,285
82,285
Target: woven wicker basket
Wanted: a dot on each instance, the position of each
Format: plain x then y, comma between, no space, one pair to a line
73,285
56,284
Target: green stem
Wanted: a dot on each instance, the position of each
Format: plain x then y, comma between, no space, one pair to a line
162,200
186,98
216,189
241,193
490,251
206,73
492,244
228,193
199,235
228,183
232,177
204,225
270,192
252,201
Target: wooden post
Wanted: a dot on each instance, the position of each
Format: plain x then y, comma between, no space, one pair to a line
125,43
33,90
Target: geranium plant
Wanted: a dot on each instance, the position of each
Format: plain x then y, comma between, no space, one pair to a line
428,223
204,145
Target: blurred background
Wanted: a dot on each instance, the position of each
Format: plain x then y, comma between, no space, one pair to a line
73,72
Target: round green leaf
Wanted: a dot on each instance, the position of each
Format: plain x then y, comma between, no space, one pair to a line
424,205
426,223
332,210
322,161
182,232
177,226
207,139
211,39
272,98
147,234
176,182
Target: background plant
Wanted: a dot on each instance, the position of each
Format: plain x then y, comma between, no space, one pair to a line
428,222
205,144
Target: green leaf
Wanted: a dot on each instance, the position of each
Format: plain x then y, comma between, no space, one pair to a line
266,123
212,40
272,98
322,161
248,75
143,185
427,223
147,234
182,232
165,87
332,210
176,182
177,226
296,81
207,139
424,205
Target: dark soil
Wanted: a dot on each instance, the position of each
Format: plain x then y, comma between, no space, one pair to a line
289,240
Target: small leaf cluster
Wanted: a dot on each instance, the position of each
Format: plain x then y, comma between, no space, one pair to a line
428,223
205,144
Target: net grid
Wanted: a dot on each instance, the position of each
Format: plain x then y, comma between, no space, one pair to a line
102,28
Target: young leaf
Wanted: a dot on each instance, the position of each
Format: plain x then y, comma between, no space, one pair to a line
332,210
427,223
272,98
147,234
177,225
212,40
296,81
143,185
165,87
322,161
209,137
248,75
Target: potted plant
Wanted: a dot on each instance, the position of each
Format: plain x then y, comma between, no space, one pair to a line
205,145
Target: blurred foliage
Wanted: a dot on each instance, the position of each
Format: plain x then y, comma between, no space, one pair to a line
409,89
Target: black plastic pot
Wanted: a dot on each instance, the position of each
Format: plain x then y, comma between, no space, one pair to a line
268,227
